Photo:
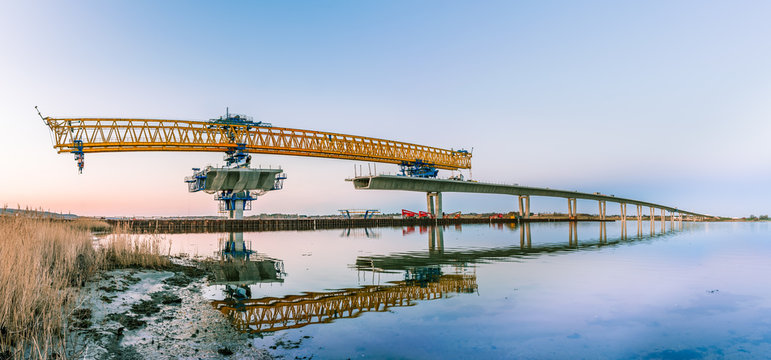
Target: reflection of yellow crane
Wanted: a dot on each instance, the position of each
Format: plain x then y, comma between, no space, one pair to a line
295,311
238,133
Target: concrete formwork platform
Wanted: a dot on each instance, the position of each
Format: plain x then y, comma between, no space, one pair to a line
218,179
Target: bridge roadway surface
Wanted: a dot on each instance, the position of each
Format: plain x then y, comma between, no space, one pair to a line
391,182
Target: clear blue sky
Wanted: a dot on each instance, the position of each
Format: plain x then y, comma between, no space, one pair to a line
665,101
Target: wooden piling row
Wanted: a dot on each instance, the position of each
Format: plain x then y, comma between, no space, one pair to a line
249,225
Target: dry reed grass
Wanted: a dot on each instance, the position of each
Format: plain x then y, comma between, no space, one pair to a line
94,225
43,262
40,262
124,250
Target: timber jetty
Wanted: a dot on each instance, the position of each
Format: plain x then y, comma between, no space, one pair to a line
289,224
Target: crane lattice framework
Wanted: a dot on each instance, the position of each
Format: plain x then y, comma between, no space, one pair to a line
236,184
93,135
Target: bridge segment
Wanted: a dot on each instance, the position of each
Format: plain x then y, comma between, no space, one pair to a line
435,187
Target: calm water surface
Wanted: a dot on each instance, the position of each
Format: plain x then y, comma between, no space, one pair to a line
479,291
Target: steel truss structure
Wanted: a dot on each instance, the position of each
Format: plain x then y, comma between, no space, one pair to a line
94,135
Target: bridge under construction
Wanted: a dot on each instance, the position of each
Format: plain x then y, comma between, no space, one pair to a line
435,187
237,184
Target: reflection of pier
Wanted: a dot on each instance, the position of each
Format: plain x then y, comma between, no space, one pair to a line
239,265
438,255
295,311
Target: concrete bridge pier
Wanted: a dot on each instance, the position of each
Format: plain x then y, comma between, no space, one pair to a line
238,210
572,208
434,204
602,209
524,206
639,214
623,212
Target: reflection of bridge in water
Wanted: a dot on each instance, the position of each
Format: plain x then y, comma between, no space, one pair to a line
437,255
295,311
423,277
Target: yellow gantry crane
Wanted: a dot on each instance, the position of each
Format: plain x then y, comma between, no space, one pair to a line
238,133
237,136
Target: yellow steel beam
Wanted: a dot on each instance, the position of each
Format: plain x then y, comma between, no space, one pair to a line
110,135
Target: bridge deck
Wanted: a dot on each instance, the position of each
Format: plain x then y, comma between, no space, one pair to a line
390,182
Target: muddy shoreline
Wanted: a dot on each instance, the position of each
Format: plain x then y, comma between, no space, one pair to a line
153,314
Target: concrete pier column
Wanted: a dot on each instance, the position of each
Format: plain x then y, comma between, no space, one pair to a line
524,206
434,204
602,209
238,210
572,208
639,213
623,212
438,206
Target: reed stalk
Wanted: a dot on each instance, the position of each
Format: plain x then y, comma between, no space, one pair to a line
43,263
